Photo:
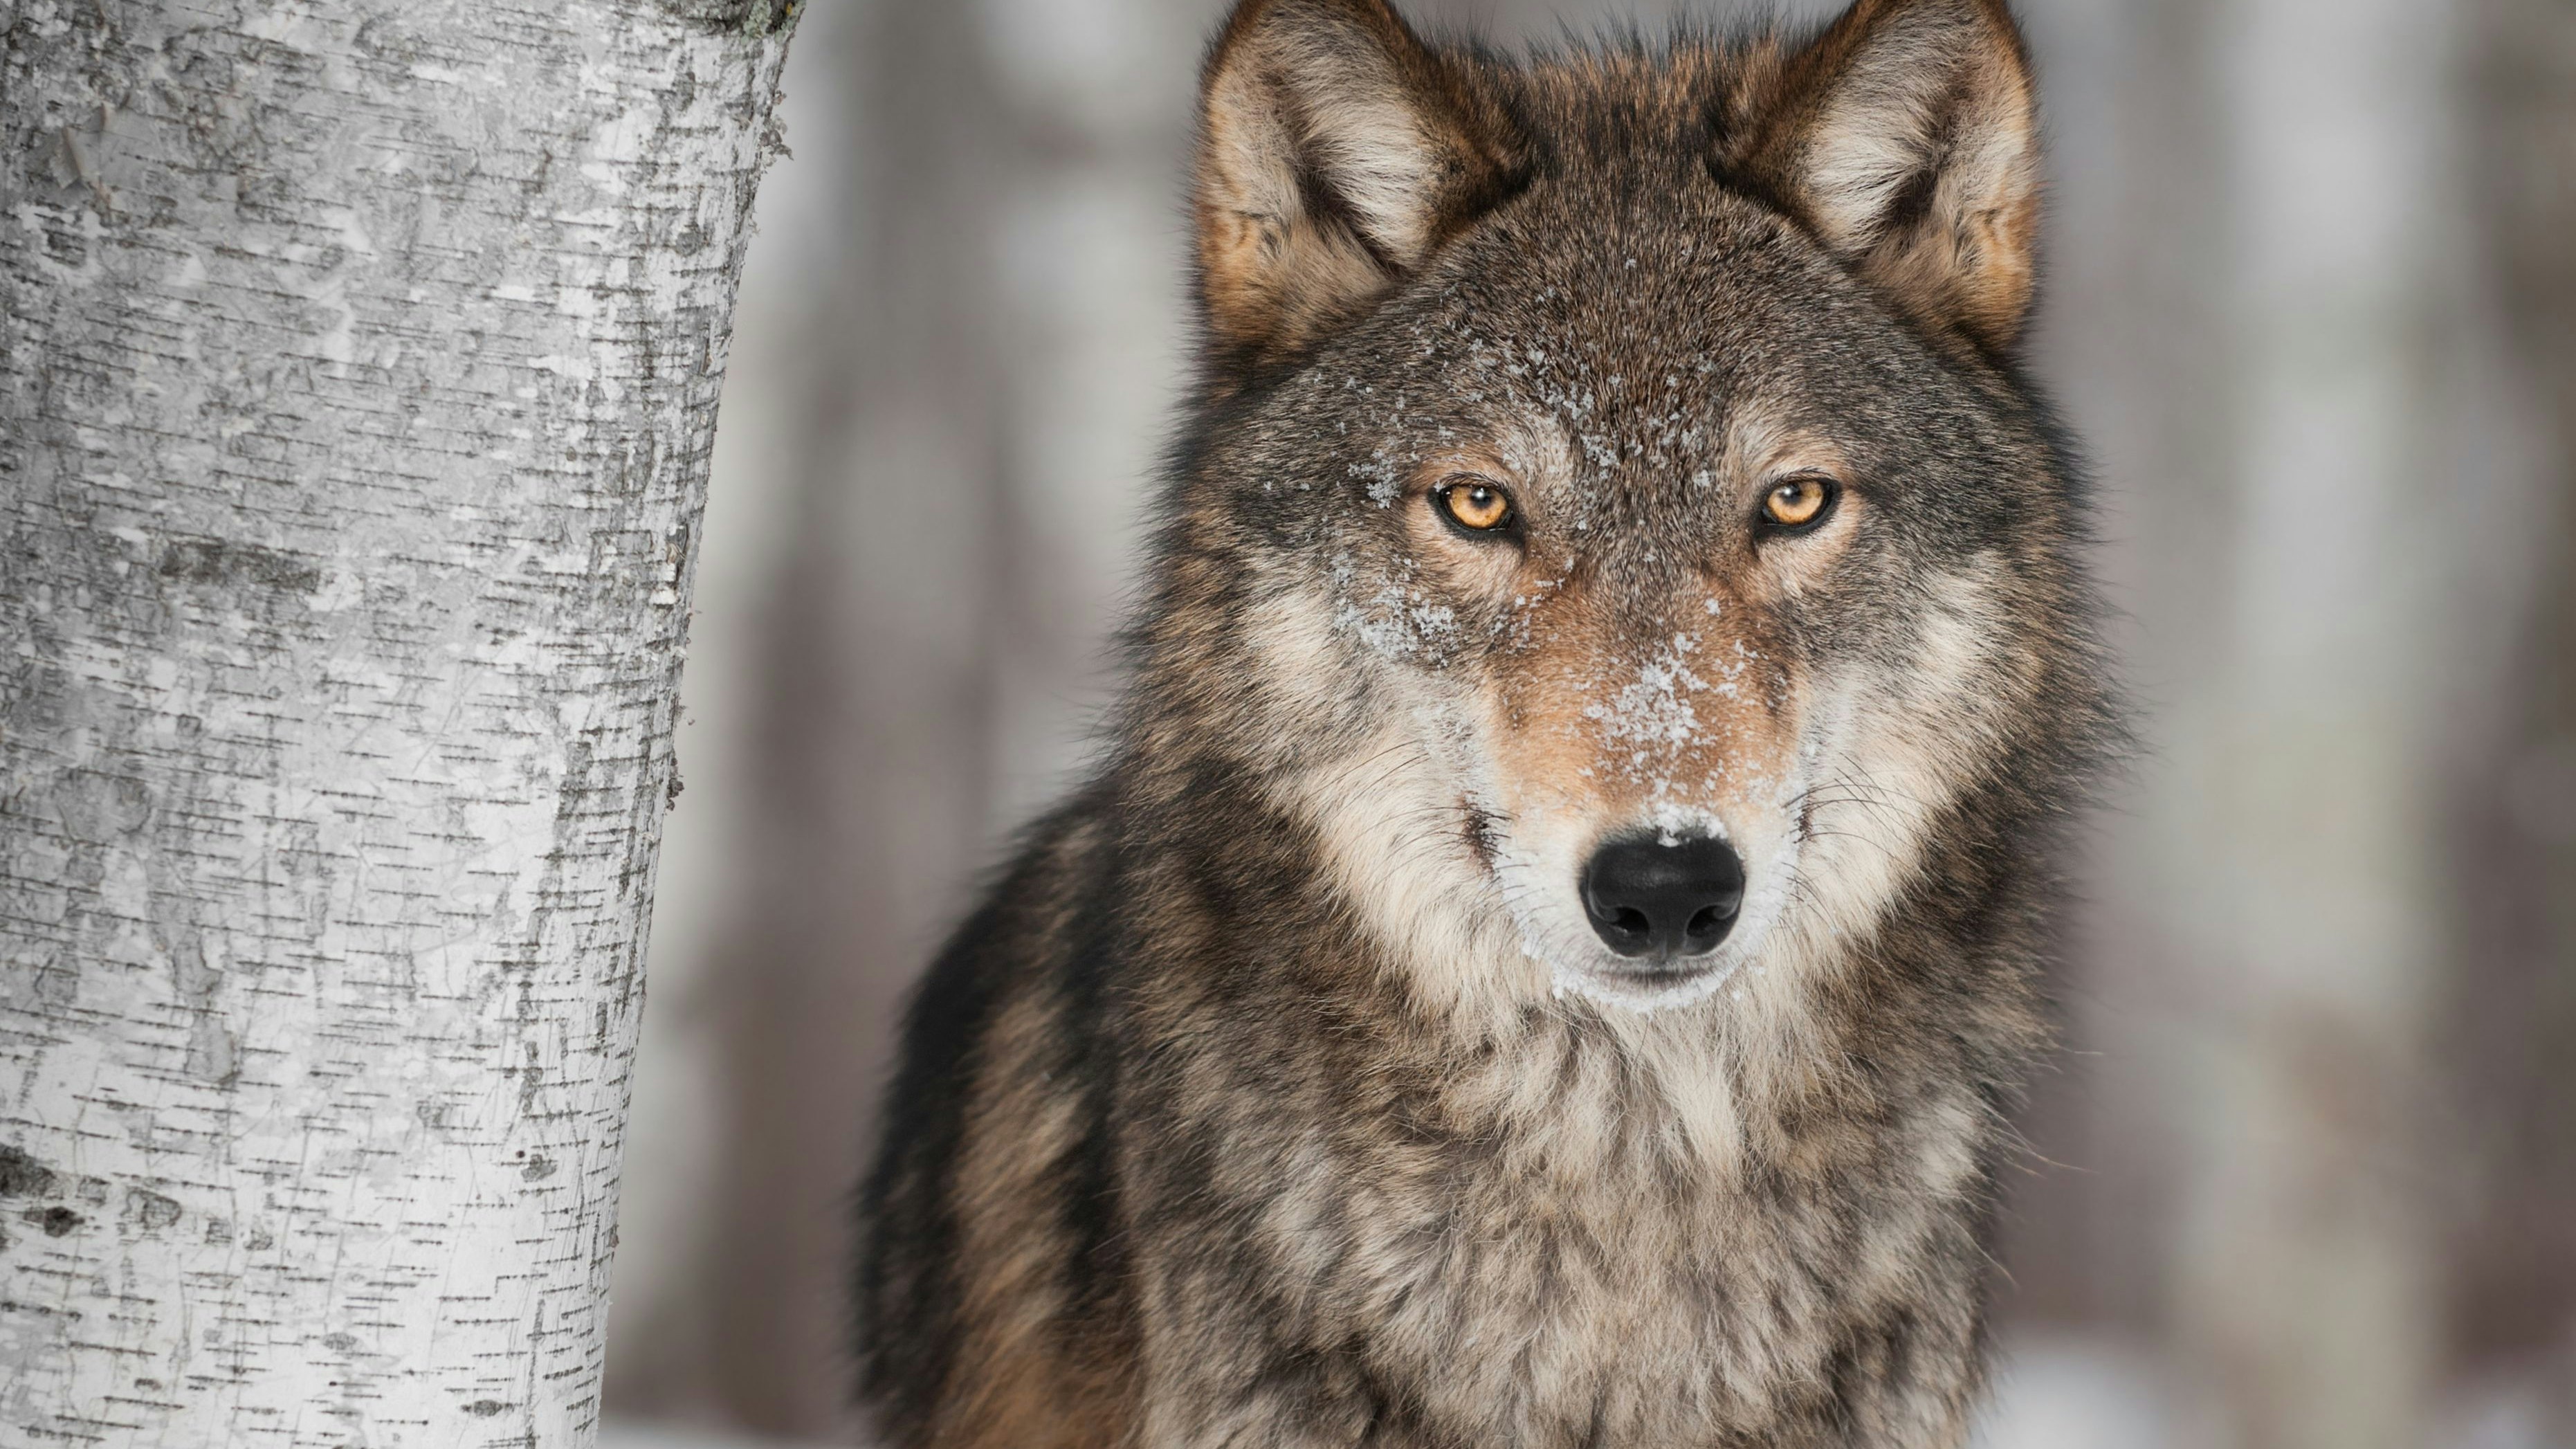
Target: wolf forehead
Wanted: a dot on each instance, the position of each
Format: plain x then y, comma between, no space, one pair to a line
1626,280
1696,331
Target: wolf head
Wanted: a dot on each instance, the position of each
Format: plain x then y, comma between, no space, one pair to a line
1614,521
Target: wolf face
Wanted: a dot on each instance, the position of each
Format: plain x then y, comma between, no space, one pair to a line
1626,515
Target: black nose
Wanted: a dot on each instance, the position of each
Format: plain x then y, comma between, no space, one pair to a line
1650,898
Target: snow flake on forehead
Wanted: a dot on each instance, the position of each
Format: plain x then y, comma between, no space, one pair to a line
1381,474
1653,401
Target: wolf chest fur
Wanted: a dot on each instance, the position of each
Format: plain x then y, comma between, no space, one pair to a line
1547,957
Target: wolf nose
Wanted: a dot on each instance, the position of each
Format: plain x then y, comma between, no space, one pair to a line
1655,896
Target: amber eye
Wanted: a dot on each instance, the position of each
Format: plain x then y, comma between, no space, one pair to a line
1475,505
1800,502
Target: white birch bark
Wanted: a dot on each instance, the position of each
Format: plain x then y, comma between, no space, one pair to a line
357,383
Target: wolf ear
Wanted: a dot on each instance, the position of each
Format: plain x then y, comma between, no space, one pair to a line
1335,151
1907,138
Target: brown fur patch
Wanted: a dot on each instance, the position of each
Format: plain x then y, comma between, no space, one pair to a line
1033,1387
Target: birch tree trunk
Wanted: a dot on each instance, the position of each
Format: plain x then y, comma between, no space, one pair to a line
357,384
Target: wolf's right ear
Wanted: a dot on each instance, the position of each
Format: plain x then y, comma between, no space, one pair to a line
1335,151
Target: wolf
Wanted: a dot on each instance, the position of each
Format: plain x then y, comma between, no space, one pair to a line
1558,930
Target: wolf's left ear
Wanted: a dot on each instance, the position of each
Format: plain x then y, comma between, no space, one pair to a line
1907,138
1335,152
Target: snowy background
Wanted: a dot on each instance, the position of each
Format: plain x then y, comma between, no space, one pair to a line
2306,1176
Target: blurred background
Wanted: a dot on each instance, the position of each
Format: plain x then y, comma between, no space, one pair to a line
2305,1174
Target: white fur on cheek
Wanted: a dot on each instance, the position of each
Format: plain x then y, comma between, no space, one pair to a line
1888,752
1391,817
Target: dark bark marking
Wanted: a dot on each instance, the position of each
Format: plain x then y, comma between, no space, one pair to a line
24,1176
218,561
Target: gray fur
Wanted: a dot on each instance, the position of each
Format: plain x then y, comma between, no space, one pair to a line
1268,1101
